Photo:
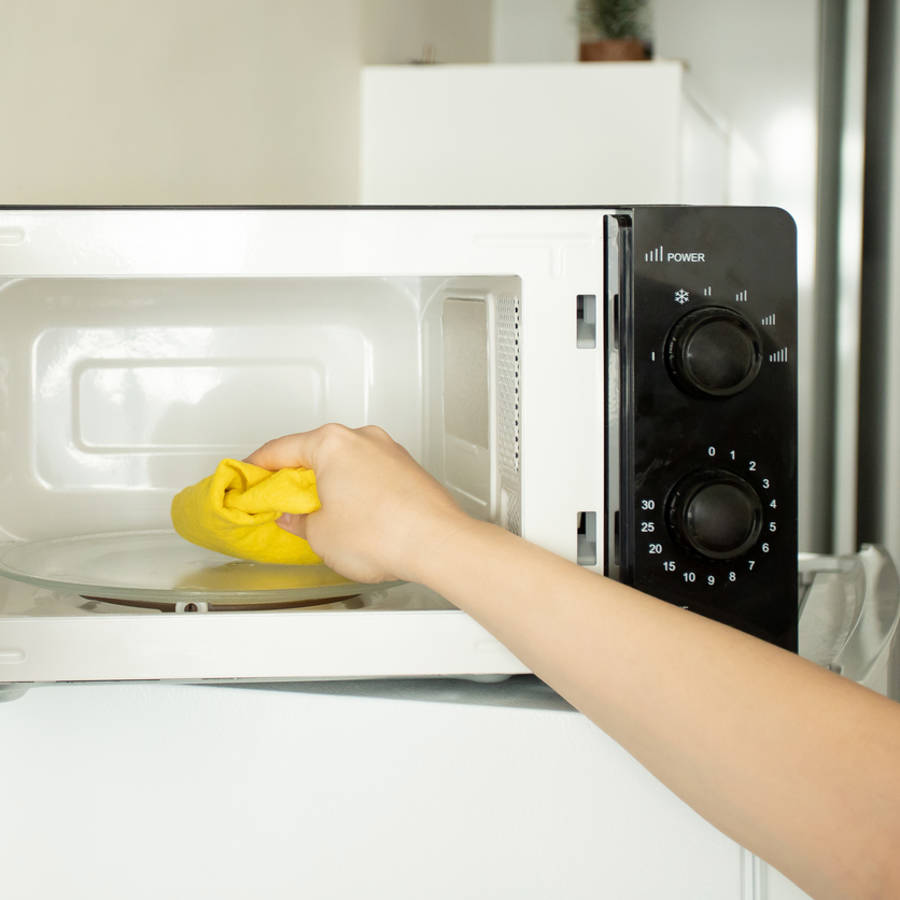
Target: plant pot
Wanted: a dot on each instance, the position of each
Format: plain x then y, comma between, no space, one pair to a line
613,50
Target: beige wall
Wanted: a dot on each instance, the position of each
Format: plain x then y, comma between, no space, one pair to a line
203,101
398,31
179,101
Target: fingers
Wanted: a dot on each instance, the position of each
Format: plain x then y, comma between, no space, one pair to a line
303,449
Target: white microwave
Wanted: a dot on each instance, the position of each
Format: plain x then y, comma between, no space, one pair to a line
615,384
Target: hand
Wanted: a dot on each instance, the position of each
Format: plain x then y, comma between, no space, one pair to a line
380,510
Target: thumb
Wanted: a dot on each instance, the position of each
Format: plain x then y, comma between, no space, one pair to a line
295,523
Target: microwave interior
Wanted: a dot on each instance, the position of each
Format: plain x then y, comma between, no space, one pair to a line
117,392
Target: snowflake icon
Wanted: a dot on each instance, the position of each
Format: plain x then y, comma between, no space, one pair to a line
682,296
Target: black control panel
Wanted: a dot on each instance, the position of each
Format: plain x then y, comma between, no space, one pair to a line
703,323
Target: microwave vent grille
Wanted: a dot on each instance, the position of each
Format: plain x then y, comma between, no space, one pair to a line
508,408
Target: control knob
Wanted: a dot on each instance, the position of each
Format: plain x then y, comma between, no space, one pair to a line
716,513
713,351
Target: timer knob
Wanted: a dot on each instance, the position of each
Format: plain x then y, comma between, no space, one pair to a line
716,513
713,351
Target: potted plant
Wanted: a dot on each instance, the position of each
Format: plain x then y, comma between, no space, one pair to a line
613,30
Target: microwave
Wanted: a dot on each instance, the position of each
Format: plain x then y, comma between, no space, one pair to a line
616,384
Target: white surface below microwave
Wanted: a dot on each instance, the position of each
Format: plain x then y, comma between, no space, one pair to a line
341,792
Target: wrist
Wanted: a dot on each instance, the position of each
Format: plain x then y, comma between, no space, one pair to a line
446,542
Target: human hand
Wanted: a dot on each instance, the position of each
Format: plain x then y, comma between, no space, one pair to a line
381,512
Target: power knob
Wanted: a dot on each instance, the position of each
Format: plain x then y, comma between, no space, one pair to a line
715,513
713,351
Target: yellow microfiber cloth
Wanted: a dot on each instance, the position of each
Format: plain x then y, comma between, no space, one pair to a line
234,510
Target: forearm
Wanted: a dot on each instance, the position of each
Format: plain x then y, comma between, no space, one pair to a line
704,707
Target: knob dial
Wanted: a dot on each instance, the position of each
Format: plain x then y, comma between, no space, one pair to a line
713,351
715,513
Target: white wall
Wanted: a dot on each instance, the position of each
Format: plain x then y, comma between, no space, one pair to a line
166,101
531,31
756,63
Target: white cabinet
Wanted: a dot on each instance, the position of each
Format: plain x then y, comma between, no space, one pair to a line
352,791
544,134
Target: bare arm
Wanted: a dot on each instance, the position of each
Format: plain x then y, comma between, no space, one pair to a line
795,763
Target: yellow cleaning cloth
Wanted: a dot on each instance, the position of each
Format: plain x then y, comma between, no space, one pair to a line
234,510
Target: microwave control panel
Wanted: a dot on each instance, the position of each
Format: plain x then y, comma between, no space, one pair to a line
702,346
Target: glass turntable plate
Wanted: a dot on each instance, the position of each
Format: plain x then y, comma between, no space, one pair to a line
160,569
